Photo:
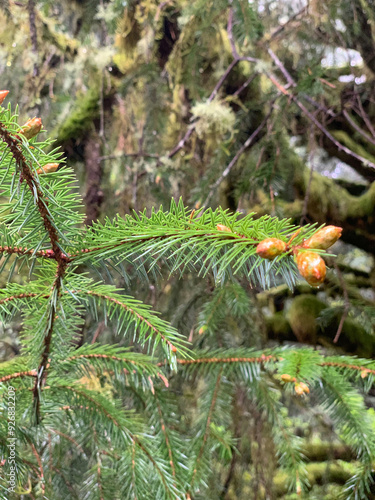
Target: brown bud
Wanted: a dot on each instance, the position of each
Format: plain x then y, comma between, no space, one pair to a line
3,94
221,227
311,267
202,329
47,169
299,390
365,372
271,248
324,238
31,128
304,387
285,377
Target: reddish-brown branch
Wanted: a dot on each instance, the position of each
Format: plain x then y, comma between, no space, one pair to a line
102,356
14,146
30,373
19,296
261,359
27,251
44,364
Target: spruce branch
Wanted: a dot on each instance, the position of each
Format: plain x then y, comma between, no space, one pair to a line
206,430
30,373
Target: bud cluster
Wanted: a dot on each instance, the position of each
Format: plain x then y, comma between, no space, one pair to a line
310,265
299,387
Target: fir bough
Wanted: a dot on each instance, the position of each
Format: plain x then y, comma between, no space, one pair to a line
101,421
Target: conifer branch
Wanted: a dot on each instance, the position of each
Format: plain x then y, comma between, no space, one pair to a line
19,296
30,373
68,438
262,359
14,146
207,427
309,115
40,464
135,440
135,313
166,438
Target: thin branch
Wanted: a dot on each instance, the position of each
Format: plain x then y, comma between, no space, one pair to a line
168,445
30,373
234,160
19,296
235,53
14,146
262,359
102,356
39,460
282,27
365,116
130,155
282,68
69,438
236,59
132,311
357,128
191,128
310,116
246,84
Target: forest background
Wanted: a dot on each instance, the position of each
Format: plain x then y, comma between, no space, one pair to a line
262,106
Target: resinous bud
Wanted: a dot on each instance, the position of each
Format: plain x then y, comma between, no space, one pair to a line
3,94
311,267
47,169
221,227
31,128
324,238
271,248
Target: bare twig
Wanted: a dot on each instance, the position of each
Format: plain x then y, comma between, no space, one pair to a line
236,59
357,128
213,94
128,155
365,116
284,71
310,116
234,160
246,84
282,27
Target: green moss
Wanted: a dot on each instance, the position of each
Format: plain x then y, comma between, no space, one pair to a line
81,117
278,326
318,473
302,317
352,144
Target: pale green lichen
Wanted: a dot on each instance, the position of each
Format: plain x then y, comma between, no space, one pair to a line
214,118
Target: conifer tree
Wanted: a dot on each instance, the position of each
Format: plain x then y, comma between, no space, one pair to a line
97,421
